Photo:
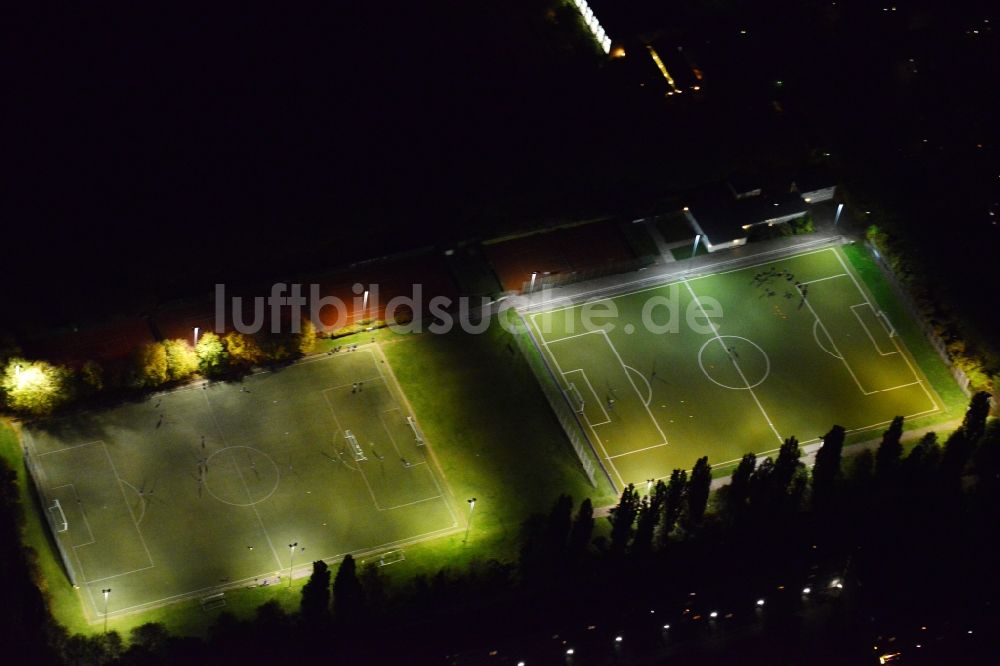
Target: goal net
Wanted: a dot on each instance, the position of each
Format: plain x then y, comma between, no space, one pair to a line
574,398
58,517
416,430
356,449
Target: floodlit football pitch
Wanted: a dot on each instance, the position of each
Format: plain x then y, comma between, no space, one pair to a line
199,489
799,347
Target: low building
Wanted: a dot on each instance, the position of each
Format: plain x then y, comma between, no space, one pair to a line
724,220
814,184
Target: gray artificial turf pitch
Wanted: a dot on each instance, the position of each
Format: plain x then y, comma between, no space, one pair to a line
156,515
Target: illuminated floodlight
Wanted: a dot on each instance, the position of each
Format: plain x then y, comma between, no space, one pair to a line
618,639
570,652
760,602
714,614
666,626
806,590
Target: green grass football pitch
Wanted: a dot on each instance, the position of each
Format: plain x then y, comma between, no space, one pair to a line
773,365
199,489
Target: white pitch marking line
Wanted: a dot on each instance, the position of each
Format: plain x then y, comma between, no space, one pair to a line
916,375
736,364
867,332
597,401
253,507
645,448
820,344
114,470
834,345
593,430
635,388
649,397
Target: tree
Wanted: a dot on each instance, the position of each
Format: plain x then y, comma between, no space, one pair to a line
315,603
92,377
581,530
890,451
696,494
242,350
307,336
151,364
35,388
826,470
348,595
182,361
737,493
557,529
957,451
974,423
650,512
622,518
212,355
673,504
921,465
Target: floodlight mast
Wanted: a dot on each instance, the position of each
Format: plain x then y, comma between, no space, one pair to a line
291,560
106,593
468,525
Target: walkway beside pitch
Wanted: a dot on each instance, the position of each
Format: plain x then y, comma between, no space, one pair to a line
809,454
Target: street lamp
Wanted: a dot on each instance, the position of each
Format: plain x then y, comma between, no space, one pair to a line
291,559
694,250
472,506
106,593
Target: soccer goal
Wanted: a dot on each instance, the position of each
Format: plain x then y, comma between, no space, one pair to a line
59,522
356,449
574,398
889,328
385,559
416,430
213,601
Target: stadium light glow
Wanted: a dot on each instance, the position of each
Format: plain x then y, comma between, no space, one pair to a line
618,639
806,590
594,25
760,602
570,651
714,614
196,329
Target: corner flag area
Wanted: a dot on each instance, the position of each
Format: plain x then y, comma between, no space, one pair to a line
198,490
799,347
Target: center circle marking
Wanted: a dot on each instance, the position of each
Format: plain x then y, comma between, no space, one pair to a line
718,340
253,452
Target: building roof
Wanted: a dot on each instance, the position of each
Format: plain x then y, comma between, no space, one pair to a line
722,217
812,178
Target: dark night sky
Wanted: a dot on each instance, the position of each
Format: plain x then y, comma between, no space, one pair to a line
177,147
154,151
